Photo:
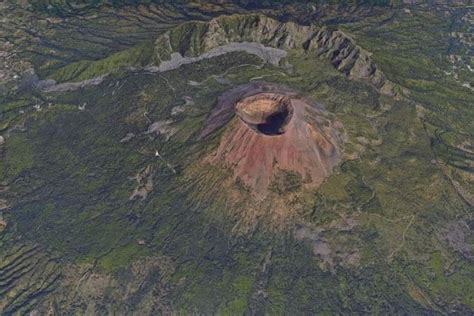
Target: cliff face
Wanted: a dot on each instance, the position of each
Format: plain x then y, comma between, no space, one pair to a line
196,38
345,55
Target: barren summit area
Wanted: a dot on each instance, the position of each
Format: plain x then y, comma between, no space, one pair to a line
277,131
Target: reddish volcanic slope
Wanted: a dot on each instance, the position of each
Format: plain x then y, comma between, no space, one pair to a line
277,130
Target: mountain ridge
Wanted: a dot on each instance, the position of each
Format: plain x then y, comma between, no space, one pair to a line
192,39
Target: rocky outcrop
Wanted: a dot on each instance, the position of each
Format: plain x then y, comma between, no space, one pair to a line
194,39
345,56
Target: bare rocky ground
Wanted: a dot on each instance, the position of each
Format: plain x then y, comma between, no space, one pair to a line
303,146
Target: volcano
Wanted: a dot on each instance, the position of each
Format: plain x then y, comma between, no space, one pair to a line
272,129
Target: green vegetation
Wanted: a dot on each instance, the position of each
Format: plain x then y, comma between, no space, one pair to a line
19,158
286,181
435,276
81,70
371,240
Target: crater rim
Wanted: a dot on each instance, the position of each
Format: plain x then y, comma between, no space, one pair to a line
266,113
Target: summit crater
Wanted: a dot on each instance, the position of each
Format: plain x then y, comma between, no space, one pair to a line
266,113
